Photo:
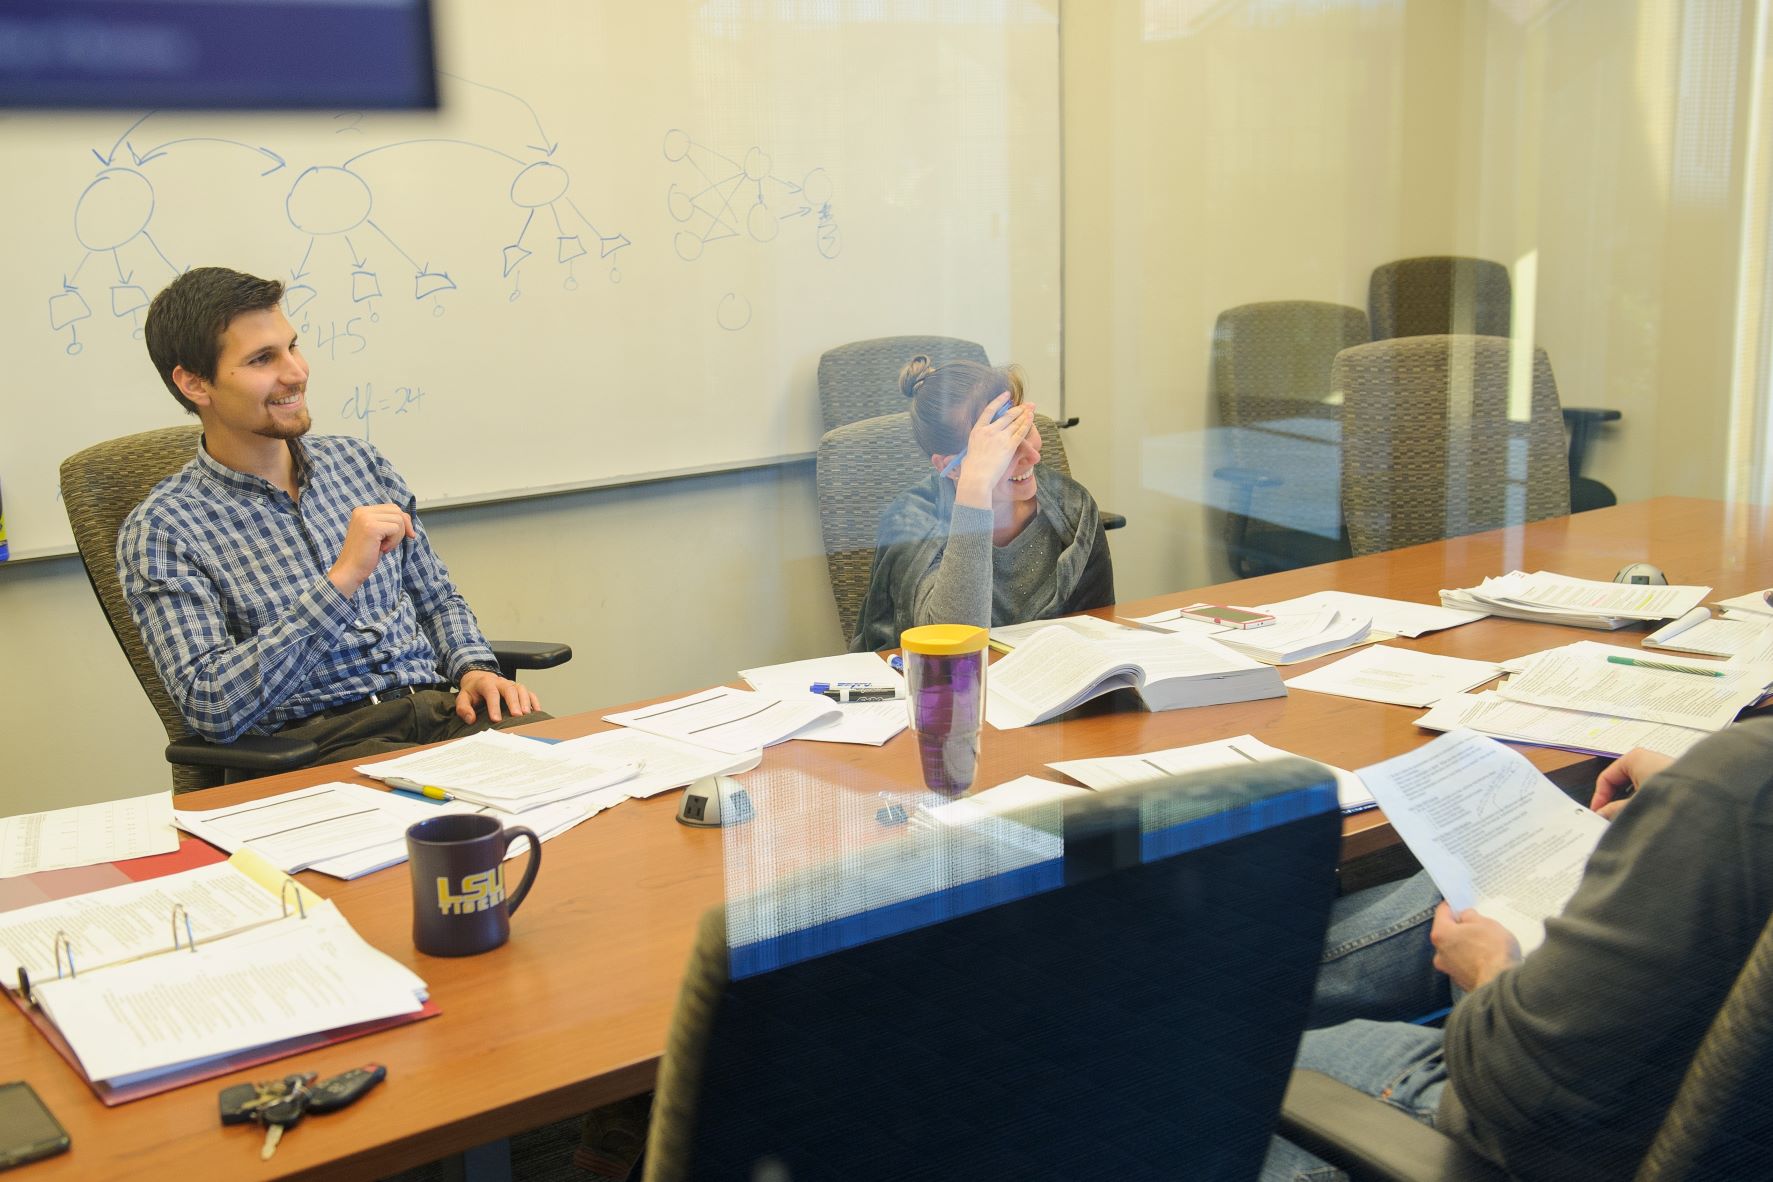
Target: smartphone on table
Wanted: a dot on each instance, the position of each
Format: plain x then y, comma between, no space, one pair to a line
27,1129
1226,615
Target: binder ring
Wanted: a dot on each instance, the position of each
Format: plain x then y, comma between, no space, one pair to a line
283,898
179,912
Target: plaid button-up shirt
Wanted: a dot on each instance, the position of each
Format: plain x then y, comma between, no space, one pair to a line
226,578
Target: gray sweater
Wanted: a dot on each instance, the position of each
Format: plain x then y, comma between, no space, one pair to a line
1563,1067
934,562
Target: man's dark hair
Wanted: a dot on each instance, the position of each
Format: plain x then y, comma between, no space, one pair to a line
187,319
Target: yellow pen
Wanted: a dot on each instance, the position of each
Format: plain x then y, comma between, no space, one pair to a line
417,790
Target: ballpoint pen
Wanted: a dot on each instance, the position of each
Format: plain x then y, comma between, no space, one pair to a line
416,790
1665,666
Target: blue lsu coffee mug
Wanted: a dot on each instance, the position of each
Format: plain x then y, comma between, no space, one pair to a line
459,903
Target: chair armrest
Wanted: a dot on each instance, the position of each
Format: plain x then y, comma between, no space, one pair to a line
513,655
1371,1139
1590,414
1247,478
260,755
1112,520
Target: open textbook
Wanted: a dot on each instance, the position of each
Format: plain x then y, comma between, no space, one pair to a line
1056,670
1491,831
250,967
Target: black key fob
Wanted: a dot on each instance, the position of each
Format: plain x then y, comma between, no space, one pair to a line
344,1089
237,1104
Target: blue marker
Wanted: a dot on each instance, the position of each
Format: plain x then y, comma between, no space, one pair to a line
953,466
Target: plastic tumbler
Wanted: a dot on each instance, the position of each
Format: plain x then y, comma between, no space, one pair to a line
945,671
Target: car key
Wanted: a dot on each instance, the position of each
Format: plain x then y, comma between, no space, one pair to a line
280,1115
345,1089
240,1103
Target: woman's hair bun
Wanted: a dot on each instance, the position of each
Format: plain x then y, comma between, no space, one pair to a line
912,376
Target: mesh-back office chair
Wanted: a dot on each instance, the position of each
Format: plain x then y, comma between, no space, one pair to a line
1719,1126
1119,1004
1281,431
100,485
1442,294
860,380
1432,448
860,468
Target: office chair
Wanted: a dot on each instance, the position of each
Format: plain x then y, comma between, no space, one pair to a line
1281,431
859,469
100,485
1432,449
860,380
1117,992
1443,294
1719,1126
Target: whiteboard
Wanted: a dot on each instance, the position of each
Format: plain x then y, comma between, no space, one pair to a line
616,251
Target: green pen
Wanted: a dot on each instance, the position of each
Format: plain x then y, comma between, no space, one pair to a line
1665,666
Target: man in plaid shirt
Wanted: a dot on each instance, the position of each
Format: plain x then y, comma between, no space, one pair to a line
284,584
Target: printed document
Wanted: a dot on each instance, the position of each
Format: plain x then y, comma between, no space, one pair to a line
1396,616
1008,636
1118,770
1633,601
665,763
502,770
133,920
292,978
1491,831
1698,632
87,835
1489,713
1300,635
1581,677
730,720
1402,677
872,723
1022,792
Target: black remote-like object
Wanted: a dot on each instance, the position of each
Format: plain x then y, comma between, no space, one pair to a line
343,1090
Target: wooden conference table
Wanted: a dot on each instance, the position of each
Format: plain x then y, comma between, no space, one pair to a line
573,1012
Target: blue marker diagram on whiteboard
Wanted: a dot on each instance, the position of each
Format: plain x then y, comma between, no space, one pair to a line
114,215
355,259
720,198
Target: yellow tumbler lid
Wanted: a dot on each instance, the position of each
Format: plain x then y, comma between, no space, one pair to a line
943,640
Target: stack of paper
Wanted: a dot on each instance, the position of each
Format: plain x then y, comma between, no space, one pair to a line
1400,676
1698,632
1174,621
731,720
1755,603
664,763
1057,670
1116,771
1489,713
1550,598
1606,679
855,722
348,830
87,835
502,771
1468,807
1299,635
1396,616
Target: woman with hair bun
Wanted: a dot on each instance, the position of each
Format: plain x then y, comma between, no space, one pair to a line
991,537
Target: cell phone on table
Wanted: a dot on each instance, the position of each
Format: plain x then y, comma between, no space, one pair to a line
953,466
1226,616
27,1129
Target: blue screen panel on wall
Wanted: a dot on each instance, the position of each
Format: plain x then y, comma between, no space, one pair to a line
217,54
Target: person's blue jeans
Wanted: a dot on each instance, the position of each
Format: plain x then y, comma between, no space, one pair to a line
1377,976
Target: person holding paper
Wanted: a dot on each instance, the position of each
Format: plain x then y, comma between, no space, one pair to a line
1563,1064
281,582
992,537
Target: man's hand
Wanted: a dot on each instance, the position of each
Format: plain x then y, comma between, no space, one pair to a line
1471,948
373,531
500,695
1613,788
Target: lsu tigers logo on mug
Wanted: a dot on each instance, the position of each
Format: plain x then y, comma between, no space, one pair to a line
479,892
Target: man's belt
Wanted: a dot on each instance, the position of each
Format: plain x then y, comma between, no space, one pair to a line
392,694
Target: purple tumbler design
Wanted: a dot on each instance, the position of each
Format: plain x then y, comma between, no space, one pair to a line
945,672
